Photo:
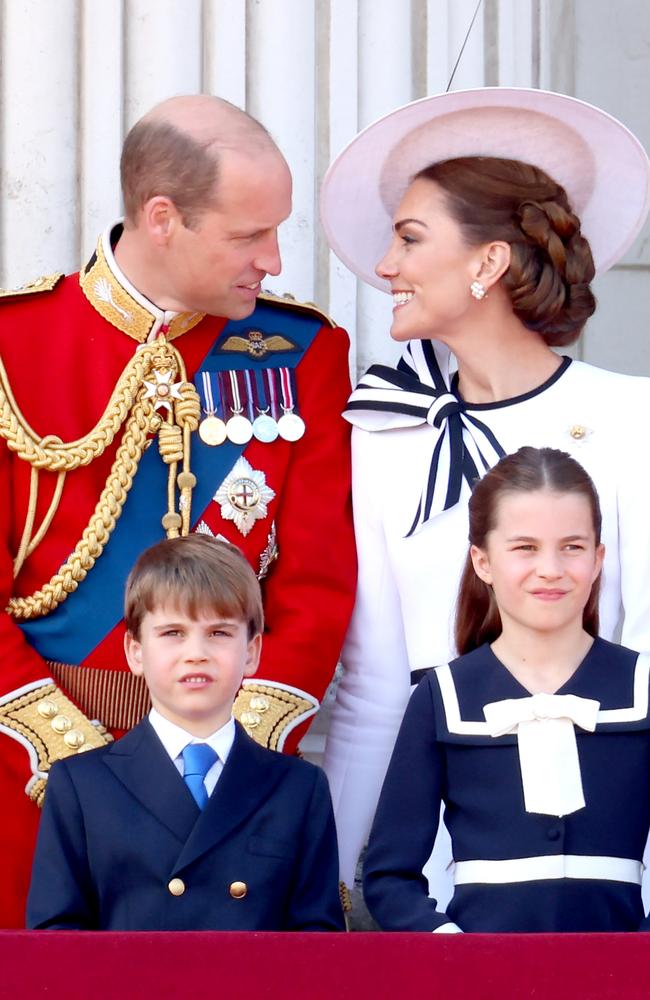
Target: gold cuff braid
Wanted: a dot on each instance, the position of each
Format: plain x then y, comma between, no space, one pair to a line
346,905
346,898
55,728
265,711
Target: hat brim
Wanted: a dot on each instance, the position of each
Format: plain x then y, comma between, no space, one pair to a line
601,164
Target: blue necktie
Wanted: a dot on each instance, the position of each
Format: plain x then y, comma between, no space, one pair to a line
198,758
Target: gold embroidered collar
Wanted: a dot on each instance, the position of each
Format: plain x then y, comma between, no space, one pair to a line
122,305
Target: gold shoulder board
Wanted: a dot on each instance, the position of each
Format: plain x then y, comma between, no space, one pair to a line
43,284
289,301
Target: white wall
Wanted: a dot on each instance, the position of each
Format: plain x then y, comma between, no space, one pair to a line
611,58
75,74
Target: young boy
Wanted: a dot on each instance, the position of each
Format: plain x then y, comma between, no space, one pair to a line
186,823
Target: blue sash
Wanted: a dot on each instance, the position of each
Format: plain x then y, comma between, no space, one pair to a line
85,618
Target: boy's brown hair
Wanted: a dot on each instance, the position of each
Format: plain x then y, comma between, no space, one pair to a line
195,573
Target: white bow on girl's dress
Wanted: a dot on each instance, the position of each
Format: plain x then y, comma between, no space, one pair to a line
548,752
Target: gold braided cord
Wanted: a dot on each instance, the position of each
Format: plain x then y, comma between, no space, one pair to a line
29,541
170,443
55,455
29,522
188,415
172,520
174,445
47,520
186,482
100,527
188,408
129,400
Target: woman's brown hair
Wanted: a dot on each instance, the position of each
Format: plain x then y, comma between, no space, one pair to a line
551,264
530,469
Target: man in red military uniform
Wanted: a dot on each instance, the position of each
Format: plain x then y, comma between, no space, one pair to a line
155,393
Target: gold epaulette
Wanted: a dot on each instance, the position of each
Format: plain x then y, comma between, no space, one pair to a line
53,727
289,301
267,711
43,284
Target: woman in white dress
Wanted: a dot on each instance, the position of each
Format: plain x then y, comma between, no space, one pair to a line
486,214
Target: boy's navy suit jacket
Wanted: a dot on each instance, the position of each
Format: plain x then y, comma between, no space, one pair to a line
119,824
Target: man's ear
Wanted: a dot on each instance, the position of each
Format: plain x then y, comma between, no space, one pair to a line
160,218
481,564
253,654
133,653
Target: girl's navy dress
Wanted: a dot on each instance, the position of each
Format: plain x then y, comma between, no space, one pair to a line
529,872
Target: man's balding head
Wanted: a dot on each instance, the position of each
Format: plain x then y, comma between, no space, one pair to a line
174,151
205,190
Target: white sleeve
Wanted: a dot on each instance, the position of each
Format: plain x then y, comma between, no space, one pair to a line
630,458
374,689
633,502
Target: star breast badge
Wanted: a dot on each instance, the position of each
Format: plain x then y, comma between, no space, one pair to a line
244,496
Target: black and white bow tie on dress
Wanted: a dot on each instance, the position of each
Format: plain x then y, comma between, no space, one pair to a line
414,393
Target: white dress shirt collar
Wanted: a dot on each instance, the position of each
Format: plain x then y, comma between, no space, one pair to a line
175,739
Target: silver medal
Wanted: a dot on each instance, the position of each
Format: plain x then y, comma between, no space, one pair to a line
239,429
265,428
212,430
291,427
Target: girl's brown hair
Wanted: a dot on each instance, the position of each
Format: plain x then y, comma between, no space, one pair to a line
551,264
530,469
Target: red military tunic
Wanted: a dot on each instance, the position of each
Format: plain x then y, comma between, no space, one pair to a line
63,351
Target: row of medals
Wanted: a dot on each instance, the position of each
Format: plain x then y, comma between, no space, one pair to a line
240,430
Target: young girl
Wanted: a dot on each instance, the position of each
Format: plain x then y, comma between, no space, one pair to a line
537,738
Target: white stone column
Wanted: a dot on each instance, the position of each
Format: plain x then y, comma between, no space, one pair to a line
224,50
281,91
385,82
164,46
100,119
338,108
39,139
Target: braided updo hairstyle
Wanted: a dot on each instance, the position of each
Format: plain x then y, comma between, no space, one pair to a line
551,264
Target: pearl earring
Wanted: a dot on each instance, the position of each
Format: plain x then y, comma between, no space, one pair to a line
477,290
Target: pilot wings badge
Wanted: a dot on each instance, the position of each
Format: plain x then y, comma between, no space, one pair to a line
257,345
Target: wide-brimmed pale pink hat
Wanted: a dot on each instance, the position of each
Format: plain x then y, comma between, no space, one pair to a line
600,163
